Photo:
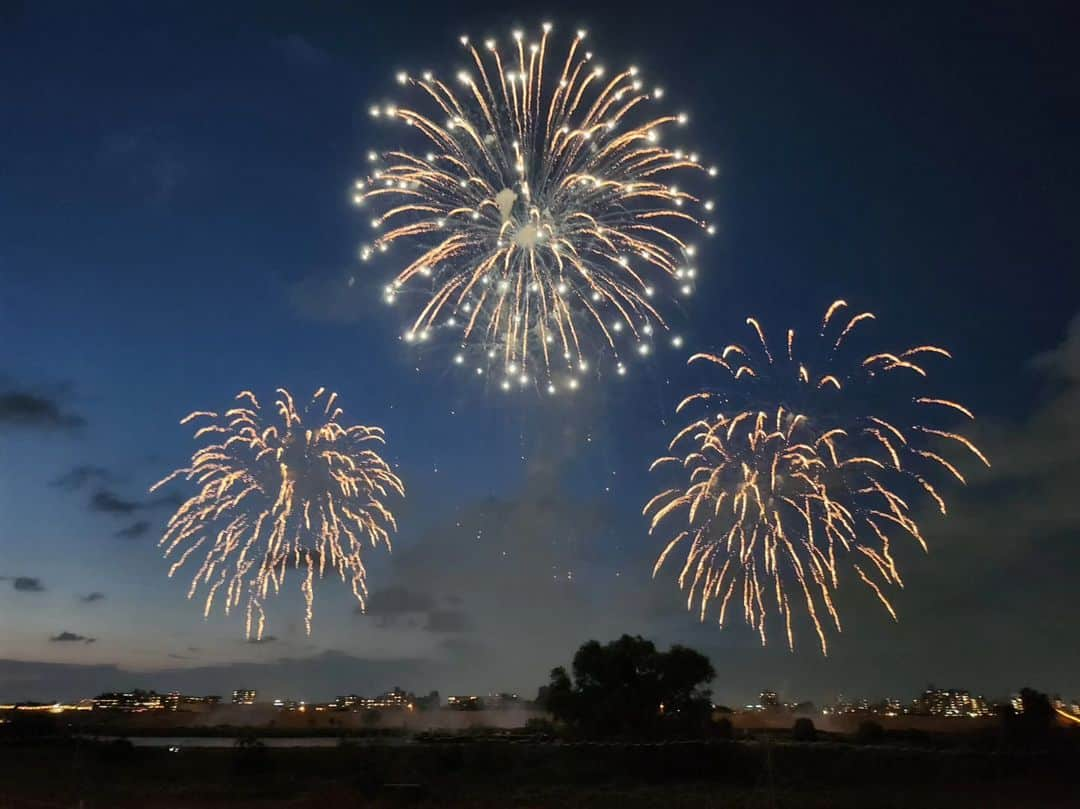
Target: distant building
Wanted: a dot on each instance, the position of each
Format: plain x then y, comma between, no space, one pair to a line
502,701
42,707
769,701
460,702
849,707
392,699
244,696
175,701
888,707
951,702
130,701
431,702
395,699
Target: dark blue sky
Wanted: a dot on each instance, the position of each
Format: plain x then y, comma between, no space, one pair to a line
175,226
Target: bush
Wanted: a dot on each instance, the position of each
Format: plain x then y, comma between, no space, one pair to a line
116,751
26,727
869,732
251,755
803,730
722,728
540,725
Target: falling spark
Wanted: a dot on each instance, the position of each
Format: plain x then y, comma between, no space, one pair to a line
306,494
540,208
772,500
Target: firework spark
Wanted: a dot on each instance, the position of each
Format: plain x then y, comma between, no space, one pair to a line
773,500
303,494
543,213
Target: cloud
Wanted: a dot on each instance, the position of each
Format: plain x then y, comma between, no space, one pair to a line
318,677
71,637
1030,490
299,50
167,502
995,596
36,410
110,503
337,300
395,607
503,552
466,650
137,529
79,476
448,621
91,598
396,601
146,162
107,501
1063,362
25,584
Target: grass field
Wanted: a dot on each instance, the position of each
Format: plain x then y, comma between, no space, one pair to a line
483,775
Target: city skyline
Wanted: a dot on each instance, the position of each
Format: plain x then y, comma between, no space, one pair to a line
920,165
945,701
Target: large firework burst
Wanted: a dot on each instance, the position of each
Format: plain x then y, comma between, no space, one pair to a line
305,494
543,212
798,475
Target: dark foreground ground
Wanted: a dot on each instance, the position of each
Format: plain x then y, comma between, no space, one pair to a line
773,774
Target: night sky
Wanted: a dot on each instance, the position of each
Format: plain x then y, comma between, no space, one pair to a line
175,226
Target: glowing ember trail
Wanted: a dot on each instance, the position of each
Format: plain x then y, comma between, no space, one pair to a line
304,494
543,215
773,500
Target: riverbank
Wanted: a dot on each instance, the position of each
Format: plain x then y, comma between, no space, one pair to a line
482,774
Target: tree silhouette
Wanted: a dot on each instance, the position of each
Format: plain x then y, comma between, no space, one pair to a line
627,687
1033,726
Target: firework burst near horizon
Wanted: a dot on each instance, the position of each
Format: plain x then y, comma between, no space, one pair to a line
799,471
307,494
542,212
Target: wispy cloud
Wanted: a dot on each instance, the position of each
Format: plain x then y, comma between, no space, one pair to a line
106,501
25,584
395,601
91,598
111,503
447,621
83,475
137,529
398,606
71,637
40,410
298,49
335,299
145,161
